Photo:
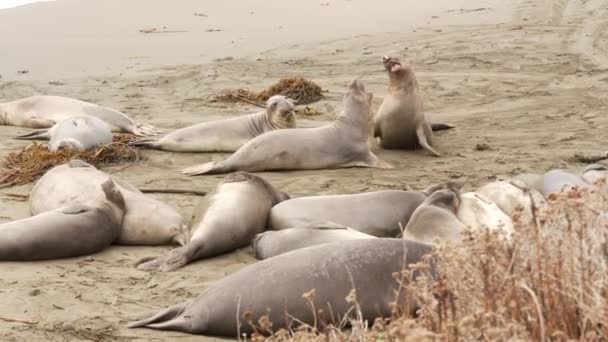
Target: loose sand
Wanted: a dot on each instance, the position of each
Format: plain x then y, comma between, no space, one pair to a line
524,82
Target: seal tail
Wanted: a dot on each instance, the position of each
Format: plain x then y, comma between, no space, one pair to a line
150,142
168,318
423,141
40,134
206,168
441,127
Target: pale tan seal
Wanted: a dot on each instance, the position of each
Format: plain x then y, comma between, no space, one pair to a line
435,219
226,219
401,122
479,213
43,111
227,135
69,231
342,143
596,174
558,180
276,286
514,198
79,133
147,221
274,242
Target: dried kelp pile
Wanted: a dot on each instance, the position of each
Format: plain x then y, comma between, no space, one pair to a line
301,90
34,160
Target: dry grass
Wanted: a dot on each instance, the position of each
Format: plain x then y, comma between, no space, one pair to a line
34,160
550,283
296,88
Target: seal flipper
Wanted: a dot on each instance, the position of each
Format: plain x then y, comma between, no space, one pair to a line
423,141
40,134
167,318
206,168
176,258
441,127
150,142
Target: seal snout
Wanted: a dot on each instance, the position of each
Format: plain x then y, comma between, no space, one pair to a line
391,64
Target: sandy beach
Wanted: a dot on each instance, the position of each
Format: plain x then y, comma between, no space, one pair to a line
524,82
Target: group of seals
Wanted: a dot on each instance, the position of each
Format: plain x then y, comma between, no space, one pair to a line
557,180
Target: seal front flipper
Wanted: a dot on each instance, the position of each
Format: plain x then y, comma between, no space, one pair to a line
75,209
441,127
41,134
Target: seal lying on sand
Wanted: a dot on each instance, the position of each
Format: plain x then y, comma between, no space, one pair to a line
511,194
43,111
377,213
435,218
226,219
555,181
147,221
342,143
79,133
69,231
227,135
272,243
596,174
478,212
401,122
275,287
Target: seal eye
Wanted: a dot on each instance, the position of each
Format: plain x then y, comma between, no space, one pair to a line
273,106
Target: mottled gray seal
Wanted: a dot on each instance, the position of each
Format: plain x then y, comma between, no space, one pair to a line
342,143
147,221
378,213
478,213
226,219
275,242
435,219
78,133
43,111
226,135
275,287
401,122
69,231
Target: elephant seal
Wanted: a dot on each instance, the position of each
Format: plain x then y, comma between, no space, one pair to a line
69,231
558,180
597,175
79,133
478,213
436,219
531,180
44,111
275,287
401,122
147,221
275,242
226,219
514,197
342,143
377,213
226,135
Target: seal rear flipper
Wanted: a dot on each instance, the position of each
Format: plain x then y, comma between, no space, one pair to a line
41,134
423,141
177,258
149,142
162,319
149,264
143,130
206,168
441,127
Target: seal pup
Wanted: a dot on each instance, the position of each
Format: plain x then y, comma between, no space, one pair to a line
44,111
401,122
274,242
226,219
343,143
79,133
147,221
226,135
558,180
514,197
436,218
596,174
275,287
69,231
478,213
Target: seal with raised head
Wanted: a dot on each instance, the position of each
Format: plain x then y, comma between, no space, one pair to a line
44,111
596,174
226,219
342,143
401,122
514,197
275,287
147,221
226,135
79,133
69,231
274,242
478,213
435,219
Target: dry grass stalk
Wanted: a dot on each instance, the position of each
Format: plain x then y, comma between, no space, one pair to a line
550,282
34,160
301,90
